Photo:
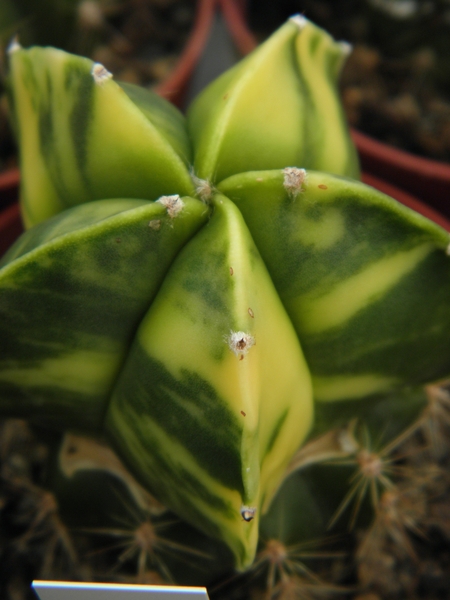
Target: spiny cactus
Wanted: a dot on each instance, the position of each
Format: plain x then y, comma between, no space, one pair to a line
217,299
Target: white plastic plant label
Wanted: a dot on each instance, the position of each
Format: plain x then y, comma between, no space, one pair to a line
62,590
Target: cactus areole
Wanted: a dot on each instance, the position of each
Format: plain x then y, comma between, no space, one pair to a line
189,288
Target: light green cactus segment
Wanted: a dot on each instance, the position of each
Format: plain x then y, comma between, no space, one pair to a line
72,293
364,279
82,138
320,59
262,88
215,396
167,119
267,113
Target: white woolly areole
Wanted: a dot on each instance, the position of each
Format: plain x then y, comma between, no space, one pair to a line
294,178
174,204
203,188
299,20
248,513
13,45
100,74
240,342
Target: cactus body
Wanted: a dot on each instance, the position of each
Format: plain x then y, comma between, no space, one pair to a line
195,334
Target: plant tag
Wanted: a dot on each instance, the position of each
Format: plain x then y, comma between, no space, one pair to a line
64,590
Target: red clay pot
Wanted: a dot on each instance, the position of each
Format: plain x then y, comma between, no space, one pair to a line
426,179
9,181
10,227
175,87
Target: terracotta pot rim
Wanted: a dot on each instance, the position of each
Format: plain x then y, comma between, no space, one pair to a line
174,87
397,158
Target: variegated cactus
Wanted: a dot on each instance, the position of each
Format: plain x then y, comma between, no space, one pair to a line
194,289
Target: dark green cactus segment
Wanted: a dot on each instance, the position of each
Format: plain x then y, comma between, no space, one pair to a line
382,416
421,336
345,224
188,409
79,83
213,293
64,407
351,264
73,219
90,273
144,446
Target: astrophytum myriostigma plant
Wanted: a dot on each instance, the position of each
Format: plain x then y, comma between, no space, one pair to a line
188,288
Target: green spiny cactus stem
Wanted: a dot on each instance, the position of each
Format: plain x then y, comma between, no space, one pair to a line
205,293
